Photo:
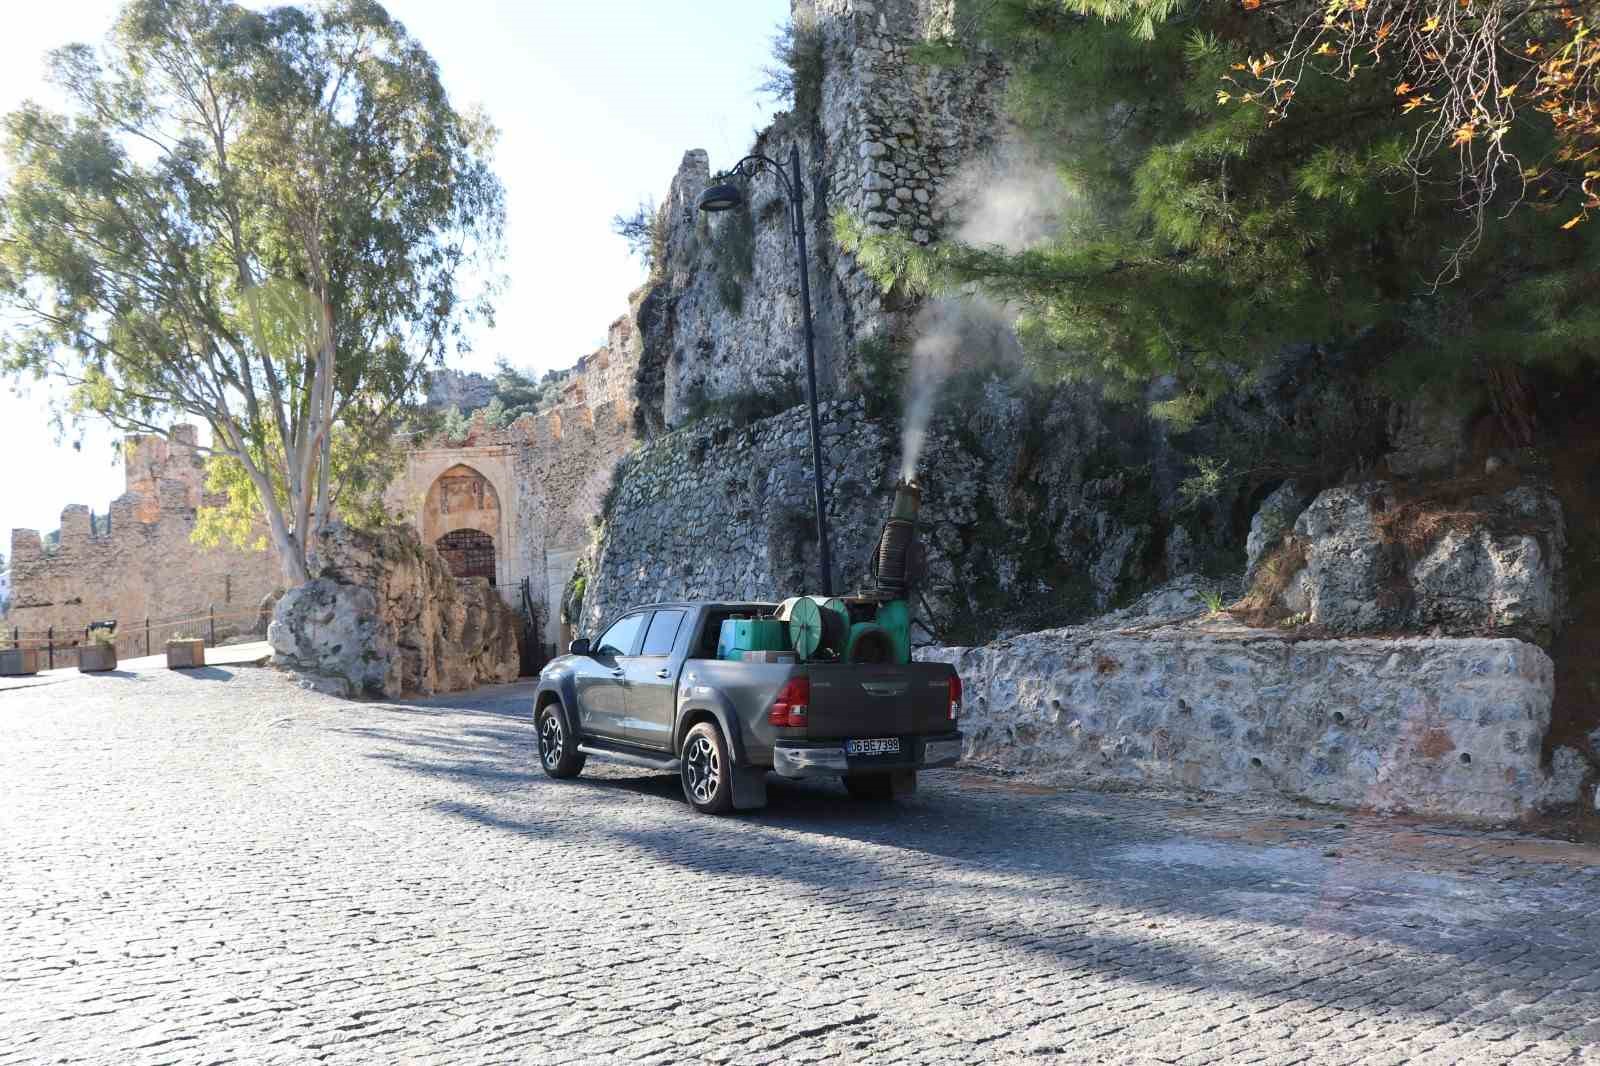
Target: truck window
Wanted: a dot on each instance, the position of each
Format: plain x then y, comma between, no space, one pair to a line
662,634
622,637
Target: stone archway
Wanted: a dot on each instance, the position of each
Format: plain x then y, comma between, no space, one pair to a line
461,517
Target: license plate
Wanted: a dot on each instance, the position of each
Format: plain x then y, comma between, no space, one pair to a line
880,746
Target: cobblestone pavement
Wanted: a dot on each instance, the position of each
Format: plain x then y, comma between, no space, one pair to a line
218,866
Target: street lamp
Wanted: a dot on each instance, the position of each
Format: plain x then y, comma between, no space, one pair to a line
725,196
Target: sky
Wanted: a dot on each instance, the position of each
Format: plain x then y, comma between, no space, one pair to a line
596,103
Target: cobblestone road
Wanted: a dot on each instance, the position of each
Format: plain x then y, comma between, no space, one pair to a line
218,866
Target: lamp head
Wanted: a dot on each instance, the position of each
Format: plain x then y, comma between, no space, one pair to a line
724,197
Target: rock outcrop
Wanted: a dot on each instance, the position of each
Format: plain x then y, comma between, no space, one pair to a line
383,617
1445,727
1376,560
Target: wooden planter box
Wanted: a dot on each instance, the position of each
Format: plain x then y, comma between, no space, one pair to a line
19,661
185,654
96,658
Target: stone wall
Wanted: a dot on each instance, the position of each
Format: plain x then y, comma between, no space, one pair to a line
722,313
383,617
143,565
1449,727
1028,518
540,480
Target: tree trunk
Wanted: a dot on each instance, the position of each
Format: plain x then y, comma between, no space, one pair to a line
1513,404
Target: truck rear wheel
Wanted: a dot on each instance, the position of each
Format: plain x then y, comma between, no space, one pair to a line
706,771
558,751
881,787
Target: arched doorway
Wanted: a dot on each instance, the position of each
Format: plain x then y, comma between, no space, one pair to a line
461,517
468,553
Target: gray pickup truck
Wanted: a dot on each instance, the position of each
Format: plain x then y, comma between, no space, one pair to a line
652,691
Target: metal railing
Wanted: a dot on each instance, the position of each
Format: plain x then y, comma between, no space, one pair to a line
138,635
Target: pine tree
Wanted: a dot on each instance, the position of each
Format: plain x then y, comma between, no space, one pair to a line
1198,237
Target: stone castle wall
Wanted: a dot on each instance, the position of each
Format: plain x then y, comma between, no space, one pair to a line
542,479
144,565
722,314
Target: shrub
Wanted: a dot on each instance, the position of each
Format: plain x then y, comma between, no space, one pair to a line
744,406
795,75
645,231
879,375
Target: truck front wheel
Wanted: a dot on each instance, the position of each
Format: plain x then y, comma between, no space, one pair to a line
706,771
558,752
881,787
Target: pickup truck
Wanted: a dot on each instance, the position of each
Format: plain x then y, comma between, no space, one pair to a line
650,691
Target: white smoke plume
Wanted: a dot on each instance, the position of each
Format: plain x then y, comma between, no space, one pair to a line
1011,199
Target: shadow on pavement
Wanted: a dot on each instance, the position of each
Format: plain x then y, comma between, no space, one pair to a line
991,853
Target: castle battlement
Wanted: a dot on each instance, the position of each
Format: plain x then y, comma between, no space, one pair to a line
144,564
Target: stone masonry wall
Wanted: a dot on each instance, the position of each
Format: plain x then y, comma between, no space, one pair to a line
145,565
548,475
722,313
1443,727
1025,521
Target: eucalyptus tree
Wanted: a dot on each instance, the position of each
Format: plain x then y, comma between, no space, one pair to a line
272,221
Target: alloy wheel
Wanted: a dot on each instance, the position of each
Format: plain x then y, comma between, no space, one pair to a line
702,769
551,741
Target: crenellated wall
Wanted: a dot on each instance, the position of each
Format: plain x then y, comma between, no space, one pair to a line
137,560
541,480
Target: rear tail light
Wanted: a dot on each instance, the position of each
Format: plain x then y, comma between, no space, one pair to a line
792,705
955,696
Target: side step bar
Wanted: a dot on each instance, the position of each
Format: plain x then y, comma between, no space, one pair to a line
632,756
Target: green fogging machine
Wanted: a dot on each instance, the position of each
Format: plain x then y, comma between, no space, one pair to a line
871,627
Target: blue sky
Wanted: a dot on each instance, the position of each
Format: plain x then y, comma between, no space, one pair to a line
596,102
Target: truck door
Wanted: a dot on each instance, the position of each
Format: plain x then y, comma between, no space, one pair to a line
653,681
601,680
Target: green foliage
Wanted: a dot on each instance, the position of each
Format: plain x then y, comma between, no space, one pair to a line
361,466
879,375
645,231
271,221
795,75
1195,240
937,53
456,426
746,406
1210,477
733,252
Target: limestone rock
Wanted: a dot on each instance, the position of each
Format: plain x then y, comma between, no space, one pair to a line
384,617
1275,517
1376,561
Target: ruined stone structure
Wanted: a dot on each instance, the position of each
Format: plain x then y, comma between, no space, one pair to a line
887,142
517,503
137,561
383,616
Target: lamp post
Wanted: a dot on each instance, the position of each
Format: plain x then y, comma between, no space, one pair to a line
724,196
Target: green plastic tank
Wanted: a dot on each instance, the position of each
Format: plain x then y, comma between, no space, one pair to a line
870,644
895,618
739,635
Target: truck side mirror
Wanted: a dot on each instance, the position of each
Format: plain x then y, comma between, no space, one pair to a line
579,647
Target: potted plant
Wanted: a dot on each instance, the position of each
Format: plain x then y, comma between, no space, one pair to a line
99,654
185,652
17,661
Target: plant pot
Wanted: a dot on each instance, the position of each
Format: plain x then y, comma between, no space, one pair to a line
96,658
185,654
19,661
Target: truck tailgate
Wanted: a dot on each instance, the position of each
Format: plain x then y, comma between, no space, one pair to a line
879,701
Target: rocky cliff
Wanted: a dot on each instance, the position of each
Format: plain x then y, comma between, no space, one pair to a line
382,616
1390,576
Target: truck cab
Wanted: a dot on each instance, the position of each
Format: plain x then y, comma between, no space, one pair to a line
654,689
